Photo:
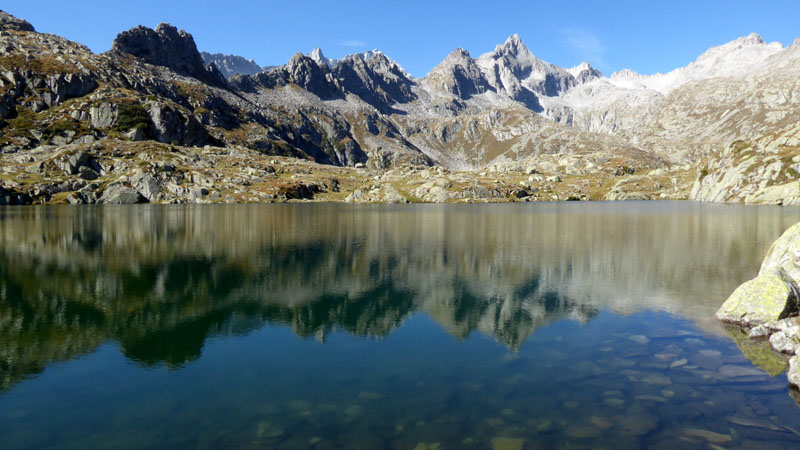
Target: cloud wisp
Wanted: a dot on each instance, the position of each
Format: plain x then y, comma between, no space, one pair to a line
353,43
587,45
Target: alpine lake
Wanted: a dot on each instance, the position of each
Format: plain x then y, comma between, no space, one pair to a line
323,326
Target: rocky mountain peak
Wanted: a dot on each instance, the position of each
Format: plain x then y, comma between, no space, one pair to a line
320,58
459,75
512,46
307,73
584,72
458,54
168,47
9,22
751,39
512,68
625,73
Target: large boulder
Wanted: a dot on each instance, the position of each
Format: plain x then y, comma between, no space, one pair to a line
784,254
774,293
119,194
757,301
147,185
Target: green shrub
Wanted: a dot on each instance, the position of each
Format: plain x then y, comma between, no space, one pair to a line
132,115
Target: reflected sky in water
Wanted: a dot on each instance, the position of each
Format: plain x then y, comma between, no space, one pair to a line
177,295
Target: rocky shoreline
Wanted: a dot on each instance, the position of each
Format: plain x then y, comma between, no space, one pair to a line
120,171
768,306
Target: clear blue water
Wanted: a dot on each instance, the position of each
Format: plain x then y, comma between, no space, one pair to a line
334,326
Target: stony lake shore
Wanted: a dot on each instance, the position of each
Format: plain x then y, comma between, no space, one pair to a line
124,172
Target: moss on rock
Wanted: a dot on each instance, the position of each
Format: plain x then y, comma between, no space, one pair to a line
757,301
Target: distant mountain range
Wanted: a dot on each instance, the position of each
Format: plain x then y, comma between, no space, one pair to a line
231,64
502,110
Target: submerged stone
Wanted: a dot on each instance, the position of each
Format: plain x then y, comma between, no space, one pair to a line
754,423
506,443
268,430
637,422
614,401
731,371
601,422
657,378
710,436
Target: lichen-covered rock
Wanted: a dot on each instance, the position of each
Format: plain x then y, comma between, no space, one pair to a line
757,301
784,254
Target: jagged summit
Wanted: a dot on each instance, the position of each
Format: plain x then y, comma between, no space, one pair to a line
168,47
458,75
320,58
513,69
512,46
751,39
584,72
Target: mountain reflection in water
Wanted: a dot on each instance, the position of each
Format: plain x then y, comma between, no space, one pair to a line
160,280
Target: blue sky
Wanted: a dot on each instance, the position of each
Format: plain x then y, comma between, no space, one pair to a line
645,36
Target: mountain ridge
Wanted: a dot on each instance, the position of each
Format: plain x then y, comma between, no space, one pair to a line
506,111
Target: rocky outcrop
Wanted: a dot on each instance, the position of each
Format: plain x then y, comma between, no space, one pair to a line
769,305
764,171
38,90
167,46
171,126
120,194
9,22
